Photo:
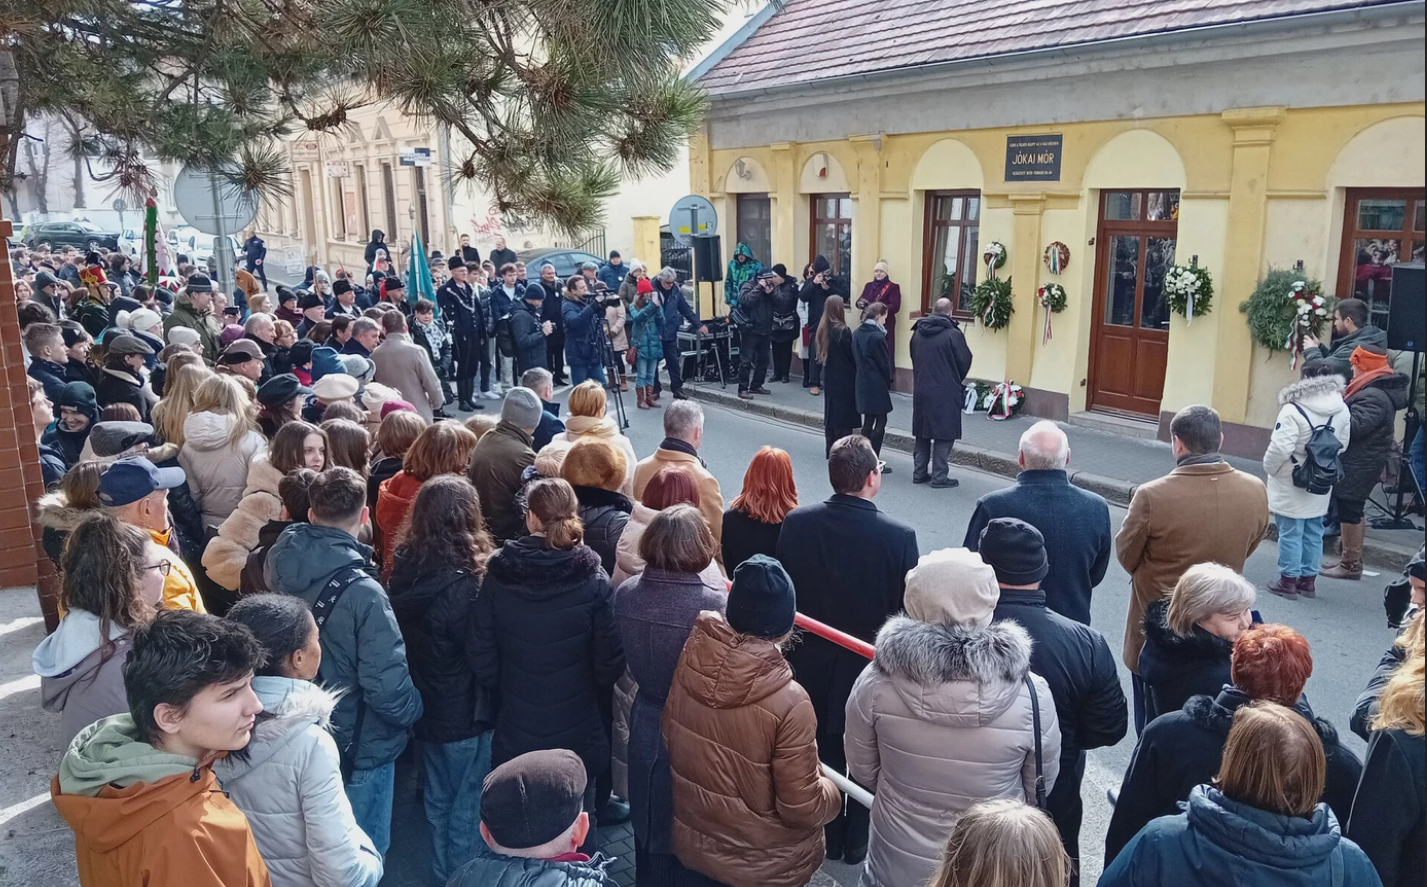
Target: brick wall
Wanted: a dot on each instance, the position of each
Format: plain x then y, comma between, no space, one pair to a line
22,560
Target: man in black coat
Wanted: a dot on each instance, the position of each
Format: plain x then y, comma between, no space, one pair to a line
1075,523
254,252
849,563
551,311
463,311
940,362
1074,659
1184,748
874,375
754,316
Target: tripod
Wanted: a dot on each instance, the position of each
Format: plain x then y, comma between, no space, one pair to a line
611,370
1396,518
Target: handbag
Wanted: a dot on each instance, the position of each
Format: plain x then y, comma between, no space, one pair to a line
631,355
1036,725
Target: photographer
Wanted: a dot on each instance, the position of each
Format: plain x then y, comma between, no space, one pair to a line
816,289
528,332
754,317
584,331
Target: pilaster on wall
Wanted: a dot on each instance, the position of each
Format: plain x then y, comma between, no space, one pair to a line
1254,131
785,197
1024,269
646,241
867,236
20,551
700,166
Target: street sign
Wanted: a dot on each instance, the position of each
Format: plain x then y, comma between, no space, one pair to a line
416,157
692,216
212,204
119,206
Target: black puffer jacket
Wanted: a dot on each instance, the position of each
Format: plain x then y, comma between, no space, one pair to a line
1184,748
433,610
1176,667
604,514
1373,409
545,640
785,311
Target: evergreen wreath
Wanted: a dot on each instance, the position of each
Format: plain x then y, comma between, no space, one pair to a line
993,257
1283,307
1053,297
991,303
1181,283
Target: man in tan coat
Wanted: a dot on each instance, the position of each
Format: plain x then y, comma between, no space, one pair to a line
683,433
405,366
1204,510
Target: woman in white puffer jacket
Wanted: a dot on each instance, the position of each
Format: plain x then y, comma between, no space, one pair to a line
1312,401
288,781
220,440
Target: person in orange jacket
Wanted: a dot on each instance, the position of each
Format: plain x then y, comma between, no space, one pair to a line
138,789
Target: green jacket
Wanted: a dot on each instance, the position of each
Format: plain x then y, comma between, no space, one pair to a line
202,323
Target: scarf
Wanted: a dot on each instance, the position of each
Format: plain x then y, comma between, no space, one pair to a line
681,446
434,332
1202,459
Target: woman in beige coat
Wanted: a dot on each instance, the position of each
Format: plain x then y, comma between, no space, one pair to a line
944,718
296,445
586,418
220,442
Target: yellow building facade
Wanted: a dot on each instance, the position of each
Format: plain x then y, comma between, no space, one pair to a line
1238,189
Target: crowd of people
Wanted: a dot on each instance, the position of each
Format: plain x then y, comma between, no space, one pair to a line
283,568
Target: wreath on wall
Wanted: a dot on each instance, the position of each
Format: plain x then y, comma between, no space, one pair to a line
991,303
1052,298
1284,308
994,257
1190,290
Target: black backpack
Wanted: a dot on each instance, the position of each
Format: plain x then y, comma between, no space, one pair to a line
1322,464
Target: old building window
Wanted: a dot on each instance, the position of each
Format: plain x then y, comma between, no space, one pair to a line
755,225
832,231
1383,226
950,249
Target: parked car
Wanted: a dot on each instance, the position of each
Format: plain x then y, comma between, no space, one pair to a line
83,235
567,262
199,248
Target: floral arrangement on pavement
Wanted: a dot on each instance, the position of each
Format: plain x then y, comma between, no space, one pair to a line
991,303
1284,308
1003,401
1053,299
1190,290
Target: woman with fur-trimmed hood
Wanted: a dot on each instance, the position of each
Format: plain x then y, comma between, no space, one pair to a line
944,717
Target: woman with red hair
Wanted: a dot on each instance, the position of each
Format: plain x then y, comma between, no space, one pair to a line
1184,748
672,485
753,520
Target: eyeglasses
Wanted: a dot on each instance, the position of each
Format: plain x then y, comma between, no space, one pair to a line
881,466
162,566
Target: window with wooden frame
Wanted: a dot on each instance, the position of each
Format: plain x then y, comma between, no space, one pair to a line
831,231
950,249
1381,227
755,225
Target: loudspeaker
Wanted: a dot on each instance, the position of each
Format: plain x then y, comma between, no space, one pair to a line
708,259
1405,316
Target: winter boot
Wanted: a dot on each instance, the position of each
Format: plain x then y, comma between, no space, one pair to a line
641,397
1285,587
652,398
1351,565
623,383
1335,556
1308,586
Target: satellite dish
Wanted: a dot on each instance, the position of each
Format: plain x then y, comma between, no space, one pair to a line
211,203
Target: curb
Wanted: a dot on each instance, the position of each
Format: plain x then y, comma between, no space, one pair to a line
1115,491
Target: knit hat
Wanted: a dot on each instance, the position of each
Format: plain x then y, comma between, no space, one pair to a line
342,285
533,799
73,335
1366,358
396,405
358,366
44,279
144,320
335,387
762,601
200,283
183,335
321,275
285,294
231,333
522,408
301,352
780,269
326,362
376,395
1015,550
129,345
310,300
280,389
80,396
644,286
952,585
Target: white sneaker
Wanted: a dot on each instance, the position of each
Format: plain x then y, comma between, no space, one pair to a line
490,395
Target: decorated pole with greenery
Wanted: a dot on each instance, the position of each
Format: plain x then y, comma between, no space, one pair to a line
151,246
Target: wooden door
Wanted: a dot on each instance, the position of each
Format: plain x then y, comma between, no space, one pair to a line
1130,334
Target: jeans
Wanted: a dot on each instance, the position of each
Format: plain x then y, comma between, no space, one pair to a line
671,363
370,793
752,360
579,372
874,428
937,452
646,369
454,774
505,370
1417,458
1300,545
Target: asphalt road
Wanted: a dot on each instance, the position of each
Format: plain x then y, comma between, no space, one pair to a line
1345,624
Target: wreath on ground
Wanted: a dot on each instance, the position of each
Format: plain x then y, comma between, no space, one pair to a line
1285,307
991,398
1190,291
991,303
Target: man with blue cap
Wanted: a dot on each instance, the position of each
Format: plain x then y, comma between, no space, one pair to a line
135,491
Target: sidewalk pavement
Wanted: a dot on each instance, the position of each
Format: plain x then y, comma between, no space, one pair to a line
1109,464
